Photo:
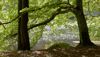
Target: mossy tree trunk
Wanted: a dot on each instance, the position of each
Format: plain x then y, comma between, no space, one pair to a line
23,37
83,28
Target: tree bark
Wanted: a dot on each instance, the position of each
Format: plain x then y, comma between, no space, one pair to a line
83,28
23,37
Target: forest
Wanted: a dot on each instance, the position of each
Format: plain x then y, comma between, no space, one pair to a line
49,28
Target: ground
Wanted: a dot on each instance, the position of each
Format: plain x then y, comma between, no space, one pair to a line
58,52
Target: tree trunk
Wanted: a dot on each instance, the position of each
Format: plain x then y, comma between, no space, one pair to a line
23,37
83,29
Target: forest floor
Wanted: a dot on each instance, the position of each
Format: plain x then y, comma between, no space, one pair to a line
58,52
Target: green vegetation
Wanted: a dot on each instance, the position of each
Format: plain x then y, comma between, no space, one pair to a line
59,45
56,14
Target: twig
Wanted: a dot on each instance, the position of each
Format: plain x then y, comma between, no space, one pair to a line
12,20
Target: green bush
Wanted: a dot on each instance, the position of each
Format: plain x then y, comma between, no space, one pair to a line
59,45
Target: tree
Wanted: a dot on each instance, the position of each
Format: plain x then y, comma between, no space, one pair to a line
81,20
23,37
83,29
77,9
8,11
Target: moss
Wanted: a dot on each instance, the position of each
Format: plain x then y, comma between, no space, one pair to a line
59,45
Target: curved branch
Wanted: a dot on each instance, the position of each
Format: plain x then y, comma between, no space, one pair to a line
46,21
11,20
58,11
17,17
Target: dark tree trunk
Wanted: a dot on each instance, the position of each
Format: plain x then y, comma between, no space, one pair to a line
23,37
83,29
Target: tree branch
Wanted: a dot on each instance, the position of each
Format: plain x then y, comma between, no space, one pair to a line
17,17
58,11
48,20
12,20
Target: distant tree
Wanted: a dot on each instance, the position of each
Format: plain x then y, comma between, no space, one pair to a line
23,37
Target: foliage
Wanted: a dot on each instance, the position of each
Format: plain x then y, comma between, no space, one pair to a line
59,45
41,10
